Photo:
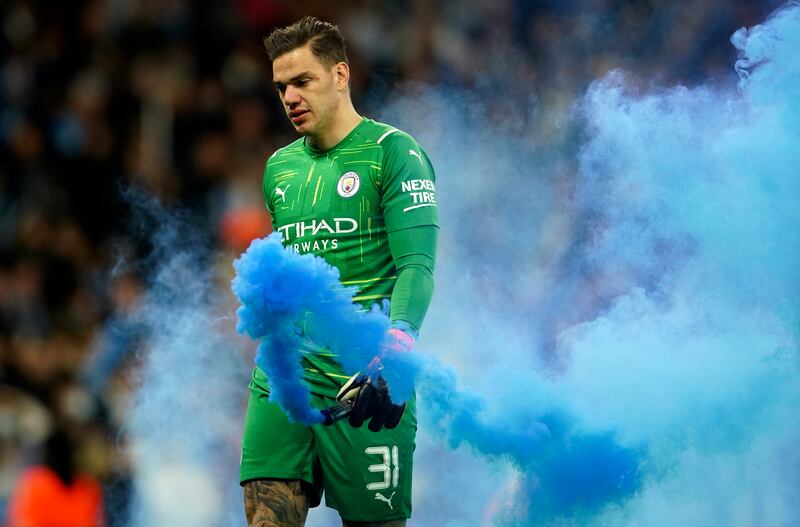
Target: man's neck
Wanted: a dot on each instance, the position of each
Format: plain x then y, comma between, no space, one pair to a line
342,124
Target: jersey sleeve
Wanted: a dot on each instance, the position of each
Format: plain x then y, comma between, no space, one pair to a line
408,196
414,254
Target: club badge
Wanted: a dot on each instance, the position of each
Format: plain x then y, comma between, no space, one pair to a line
348,185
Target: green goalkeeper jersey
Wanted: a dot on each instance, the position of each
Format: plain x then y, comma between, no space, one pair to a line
341,204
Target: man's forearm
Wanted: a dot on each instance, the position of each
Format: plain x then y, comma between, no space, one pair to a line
414,253
411,297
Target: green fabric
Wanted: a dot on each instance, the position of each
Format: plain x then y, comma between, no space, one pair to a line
273,447
408,186
342,205
414,253
368,207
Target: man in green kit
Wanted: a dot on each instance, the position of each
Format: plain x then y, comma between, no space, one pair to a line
361,195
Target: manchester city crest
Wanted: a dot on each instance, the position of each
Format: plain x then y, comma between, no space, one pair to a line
348,184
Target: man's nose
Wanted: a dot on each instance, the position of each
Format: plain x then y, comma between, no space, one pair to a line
291,96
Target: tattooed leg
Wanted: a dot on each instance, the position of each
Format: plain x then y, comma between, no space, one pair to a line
275,503
392,523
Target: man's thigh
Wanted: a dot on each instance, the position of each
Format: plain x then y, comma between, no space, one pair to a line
367,475
273,447
275,503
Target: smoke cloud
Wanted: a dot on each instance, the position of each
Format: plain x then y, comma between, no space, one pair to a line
655,297
278,287
625,335
184,424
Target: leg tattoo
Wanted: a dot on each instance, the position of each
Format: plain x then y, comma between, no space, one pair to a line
275,503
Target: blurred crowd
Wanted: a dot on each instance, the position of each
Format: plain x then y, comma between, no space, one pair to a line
103,99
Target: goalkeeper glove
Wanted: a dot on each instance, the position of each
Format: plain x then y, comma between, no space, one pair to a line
369,394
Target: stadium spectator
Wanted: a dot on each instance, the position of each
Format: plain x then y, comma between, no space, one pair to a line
53,494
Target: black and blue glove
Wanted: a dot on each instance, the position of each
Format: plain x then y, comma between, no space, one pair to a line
368,393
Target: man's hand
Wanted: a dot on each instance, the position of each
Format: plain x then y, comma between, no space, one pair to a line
370,400
369,393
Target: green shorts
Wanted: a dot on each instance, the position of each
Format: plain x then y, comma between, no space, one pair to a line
365,475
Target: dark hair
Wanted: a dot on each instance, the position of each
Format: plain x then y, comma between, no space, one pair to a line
327,42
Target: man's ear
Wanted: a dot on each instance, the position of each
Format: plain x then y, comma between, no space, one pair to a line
342,75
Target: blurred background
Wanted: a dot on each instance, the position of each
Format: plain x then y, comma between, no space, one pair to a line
173,98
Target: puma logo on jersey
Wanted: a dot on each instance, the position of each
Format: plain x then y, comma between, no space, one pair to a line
413,153
381,497
282,192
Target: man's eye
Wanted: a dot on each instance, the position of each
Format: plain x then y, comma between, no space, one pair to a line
302,82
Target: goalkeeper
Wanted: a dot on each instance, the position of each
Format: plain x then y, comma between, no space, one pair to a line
361,195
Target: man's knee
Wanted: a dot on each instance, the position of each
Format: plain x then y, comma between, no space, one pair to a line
275,503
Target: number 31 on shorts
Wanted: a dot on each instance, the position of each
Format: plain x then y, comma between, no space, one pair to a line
390,467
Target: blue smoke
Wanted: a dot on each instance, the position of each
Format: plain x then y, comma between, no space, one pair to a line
649,298
626,348
183,427
571,471
665,310
697,191
279,288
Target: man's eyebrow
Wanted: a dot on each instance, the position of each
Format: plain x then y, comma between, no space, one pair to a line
293,79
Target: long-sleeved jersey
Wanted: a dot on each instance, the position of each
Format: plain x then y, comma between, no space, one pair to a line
368,207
